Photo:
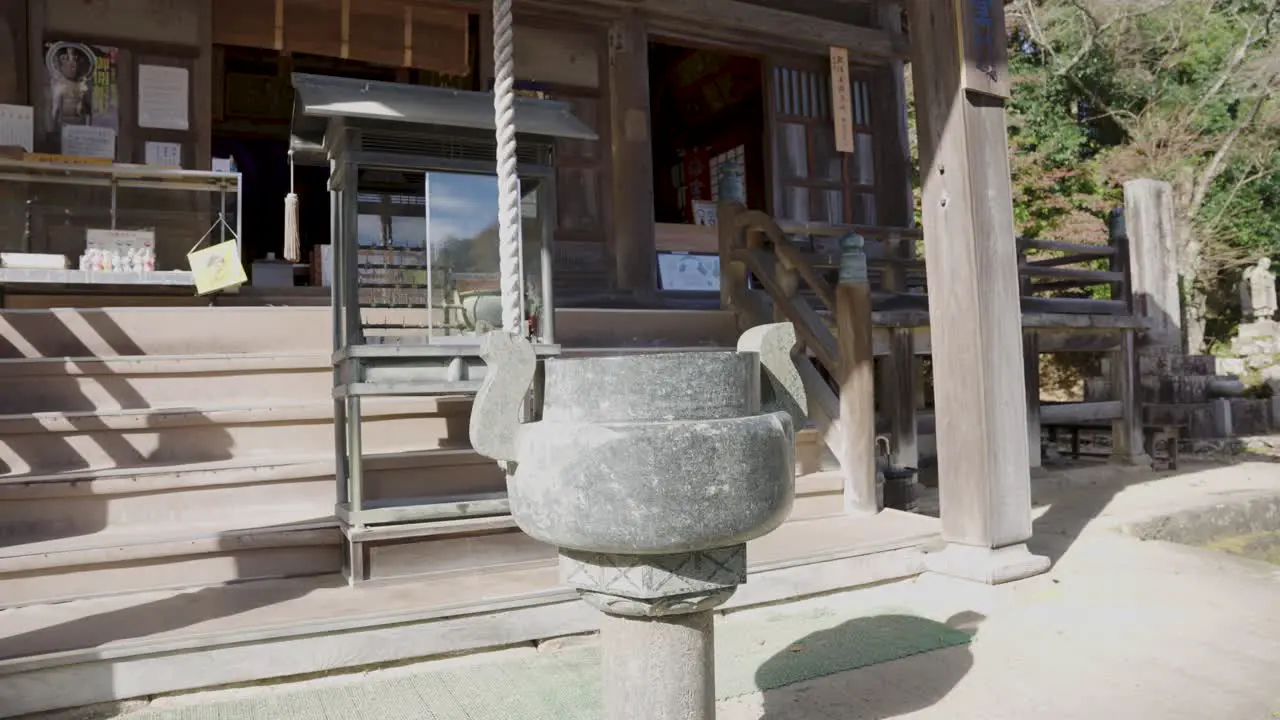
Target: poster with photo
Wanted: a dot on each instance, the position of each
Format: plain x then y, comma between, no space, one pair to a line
84,91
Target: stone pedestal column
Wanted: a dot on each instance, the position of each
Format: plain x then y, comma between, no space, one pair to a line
659,668
657,631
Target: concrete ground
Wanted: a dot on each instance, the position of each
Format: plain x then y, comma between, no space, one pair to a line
1120,629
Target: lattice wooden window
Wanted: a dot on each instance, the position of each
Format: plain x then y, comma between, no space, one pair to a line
737,154
812,181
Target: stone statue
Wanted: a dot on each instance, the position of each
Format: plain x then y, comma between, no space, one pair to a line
1258,292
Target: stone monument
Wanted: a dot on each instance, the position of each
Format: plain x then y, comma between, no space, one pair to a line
1258,292
650,473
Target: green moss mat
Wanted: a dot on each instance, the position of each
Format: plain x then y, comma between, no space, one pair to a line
751,655
1264,546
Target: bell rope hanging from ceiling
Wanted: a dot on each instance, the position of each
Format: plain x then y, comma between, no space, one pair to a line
504,109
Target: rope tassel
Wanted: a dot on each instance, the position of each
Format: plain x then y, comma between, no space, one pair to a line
292,241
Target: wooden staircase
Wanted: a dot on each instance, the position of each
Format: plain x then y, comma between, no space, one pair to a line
153,449
139,451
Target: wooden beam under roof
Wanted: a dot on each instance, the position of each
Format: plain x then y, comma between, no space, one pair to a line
732,21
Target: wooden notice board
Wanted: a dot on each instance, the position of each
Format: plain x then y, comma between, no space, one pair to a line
985,58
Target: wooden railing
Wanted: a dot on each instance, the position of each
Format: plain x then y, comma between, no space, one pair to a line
1095,278
773,272
894,269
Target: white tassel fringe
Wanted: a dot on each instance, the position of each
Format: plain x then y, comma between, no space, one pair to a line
292,241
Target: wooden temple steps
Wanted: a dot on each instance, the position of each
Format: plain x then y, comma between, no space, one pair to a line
54,442
100,532
147,449
69,384
126,646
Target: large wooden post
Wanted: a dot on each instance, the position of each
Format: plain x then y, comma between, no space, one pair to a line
1031,365
857,380
1031,360
13,54
633,229
1127,446
899,371
961,82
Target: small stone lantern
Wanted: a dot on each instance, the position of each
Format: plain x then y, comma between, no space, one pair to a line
650,473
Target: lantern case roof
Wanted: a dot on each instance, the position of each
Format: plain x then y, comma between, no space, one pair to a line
319,98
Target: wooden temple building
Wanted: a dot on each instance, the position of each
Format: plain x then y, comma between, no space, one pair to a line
170,514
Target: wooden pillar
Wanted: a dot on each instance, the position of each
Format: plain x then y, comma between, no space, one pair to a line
37,79
633,238
1127,437
900,371
857,380
961,83
900,380
896,205
1031,363
202,90
1127,446
13,53
1031,368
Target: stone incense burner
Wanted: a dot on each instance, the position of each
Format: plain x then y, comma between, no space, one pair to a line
649,473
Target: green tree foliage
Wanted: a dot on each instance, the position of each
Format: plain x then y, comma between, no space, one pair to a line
1179,90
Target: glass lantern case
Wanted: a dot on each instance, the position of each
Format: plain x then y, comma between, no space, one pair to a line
414,206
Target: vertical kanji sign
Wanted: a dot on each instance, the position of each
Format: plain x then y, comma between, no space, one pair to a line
841,100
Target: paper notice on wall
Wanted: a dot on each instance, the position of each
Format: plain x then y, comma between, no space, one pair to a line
89,141
163,154
163,93
705,213
17,127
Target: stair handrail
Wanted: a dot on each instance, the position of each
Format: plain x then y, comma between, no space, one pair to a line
752,244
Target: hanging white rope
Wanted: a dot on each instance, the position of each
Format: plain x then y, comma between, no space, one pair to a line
504,109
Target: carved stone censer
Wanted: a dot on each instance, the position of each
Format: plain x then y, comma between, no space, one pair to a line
650,473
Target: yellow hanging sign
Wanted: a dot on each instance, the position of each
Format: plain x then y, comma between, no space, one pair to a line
217,267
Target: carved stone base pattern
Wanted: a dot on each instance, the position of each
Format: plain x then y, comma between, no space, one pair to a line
656,607
652,577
